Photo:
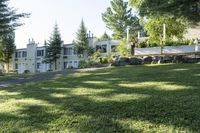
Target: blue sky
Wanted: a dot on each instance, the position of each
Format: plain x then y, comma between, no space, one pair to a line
67,13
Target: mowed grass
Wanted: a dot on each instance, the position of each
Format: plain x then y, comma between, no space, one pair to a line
151,98
6,77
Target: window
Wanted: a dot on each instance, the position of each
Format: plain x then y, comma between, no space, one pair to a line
24,54
75,64
38,65
65,64
40,52
70,63
16,66
68,51
17,54
98,47
104,48
113,48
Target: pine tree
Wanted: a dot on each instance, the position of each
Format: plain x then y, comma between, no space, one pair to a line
81,42
9,19
8,48
104,37
119,17
53,47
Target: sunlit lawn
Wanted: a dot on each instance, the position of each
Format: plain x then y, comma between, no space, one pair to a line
153,98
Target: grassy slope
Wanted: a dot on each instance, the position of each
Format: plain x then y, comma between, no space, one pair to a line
154,98
15,76
18,76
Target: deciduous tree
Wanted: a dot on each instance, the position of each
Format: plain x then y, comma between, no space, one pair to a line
189,9
174,28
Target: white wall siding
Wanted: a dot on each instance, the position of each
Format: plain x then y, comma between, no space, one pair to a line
178,49
148,51
184,49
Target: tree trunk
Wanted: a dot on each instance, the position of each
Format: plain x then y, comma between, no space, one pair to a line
55,64
8,66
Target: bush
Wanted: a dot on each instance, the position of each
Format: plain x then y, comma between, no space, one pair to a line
96,56
1,72
146,44
135,61
82,64
87,64
148,60
26,71
123,49
69,67
105,60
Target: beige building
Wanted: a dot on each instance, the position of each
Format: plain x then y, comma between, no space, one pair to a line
32,57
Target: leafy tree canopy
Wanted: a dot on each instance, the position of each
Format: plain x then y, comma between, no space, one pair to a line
189,9
174,28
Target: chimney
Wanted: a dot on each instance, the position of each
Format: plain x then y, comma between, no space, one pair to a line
89,33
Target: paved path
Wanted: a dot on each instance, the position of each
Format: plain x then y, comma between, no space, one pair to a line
41,77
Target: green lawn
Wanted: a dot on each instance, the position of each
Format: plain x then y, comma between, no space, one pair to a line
151,98
18,76
14,76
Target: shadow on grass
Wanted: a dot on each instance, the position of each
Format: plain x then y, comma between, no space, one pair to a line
165,97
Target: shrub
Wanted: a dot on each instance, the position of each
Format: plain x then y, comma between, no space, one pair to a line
82,64
109,57
87,64
105,60
1,72
26,71
69,67
123,49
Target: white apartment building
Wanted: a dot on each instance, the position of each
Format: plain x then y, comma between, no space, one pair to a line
32,57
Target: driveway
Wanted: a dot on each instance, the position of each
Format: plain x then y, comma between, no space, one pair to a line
41,77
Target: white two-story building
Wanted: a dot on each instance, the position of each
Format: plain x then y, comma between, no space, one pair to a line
32,57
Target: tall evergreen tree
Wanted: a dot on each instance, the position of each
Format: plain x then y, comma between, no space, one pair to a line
53,47
119,17
8,48
9,19
81,43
